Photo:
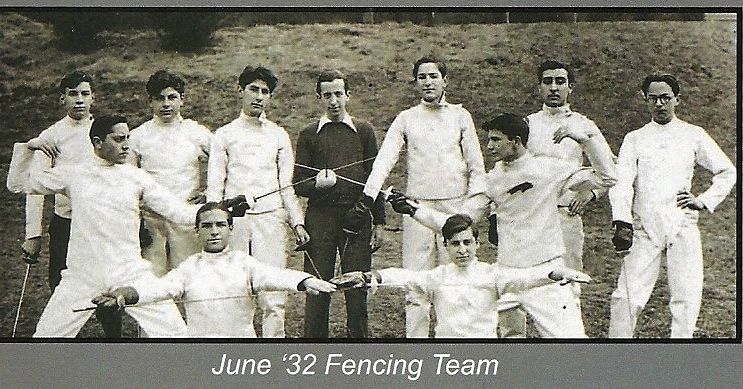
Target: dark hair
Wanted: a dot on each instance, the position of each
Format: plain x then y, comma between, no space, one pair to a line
162,79
657,77
74,79
511,125
210,206
458,223
552,64
329,76
102,126
440,64
251,74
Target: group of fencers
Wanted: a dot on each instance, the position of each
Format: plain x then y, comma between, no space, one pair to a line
172,214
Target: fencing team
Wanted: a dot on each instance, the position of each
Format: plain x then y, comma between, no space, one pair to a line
122,234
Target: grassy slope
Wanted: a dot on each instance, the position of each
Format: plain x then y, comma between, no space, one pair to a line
491,71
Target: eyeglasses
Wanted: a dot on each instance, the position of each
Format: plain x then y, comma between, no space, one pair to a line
664,99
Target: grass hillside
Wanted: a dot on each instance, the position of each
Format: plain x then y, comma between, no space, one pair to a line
491,70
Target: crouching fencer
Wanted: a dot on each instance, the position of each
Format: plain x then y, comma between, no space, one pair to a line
216,285
464,292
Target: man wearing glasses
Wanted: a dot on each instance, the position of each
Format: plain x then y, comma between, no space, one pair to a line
655,212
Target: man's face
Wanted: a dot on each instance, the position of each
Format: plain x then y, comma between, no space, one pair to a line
334,97
214,230
167,105
256,96
500,147
115,147
661,102
554,87
462,248
429,81
77,101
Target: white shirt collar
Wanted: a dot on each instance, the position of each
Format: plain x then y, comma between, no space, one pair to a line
552,111
667,125
261,119
79,122
436,104
102,162
178,120
347,120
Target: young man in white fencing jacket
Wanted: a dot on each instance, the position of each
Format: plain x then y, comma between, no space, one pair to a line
217,285
173,150
556,82
655,214
253,156
444,167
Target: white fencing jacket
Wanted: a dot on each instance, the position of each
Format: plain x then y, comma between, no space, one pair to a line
72,139
253,160
443,153
172,153
105,199
524,195
465,298
218,291
656,162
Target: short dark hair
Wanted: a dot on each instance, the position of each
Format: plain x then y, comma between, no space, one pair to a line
511,125
162,79
210,206
103,125
658,77
551,64
430,58
458,223
73,79
251,74
330,75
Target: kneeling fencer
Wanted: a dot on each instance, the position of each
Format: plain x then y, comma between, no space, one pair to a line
465,291
656,214
216,285
104,250
523,190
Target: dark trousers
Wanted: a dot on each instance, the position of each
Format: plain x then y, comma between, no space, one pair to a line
59,237
324,224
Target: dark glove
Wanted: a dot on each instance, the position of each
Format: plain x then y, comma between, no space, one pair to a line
117,298
354,219
352,280
400,203
493,230
236,205
145,236
622,239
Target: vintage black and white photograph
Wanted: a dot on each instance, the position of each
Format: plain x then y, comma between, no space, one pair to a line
496,174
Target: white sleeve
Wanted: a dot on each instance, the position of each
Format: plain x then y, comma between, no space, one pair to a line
216,170
517,280
171,285
266,277
622,194
388,154
472,155
285,167
34,215
35,203
421,280
476,207
711,157
158,199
